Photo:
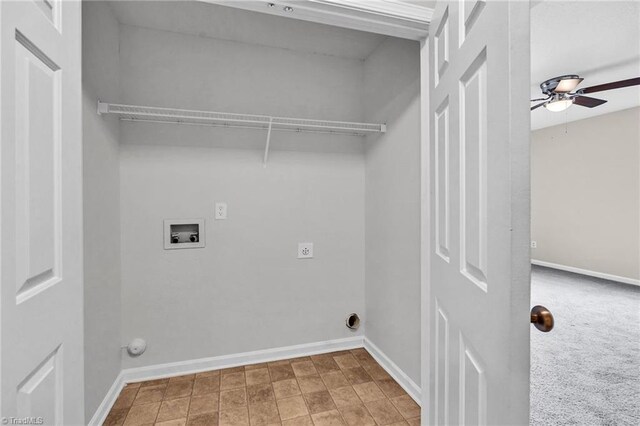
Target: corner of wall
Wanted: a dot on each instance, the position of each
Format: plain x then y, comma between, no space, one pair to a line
101,206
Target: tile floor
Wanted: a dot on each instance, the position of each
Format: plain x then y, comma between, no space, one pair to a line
339,388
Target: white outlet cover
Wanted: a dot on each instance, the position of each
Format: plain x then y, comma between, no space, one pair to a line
534,244
305,250
221,211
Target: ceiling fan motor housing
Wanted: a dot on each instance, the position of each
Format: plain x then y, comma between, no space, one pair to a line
550,85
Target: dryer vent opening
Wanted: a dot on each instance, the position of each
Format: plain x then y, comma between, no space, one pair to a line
353,321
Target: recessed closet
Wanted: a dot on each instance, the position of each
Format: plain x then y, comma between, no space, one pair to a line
340,112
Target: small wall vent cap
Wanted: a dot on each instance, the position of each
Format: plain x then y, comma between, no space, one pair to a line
353,321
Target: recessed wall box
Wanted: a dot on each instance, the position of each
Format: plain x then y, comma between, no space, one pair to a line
183,233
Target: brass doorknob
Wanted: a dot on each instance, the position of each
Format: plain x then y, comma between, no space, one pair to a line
542,318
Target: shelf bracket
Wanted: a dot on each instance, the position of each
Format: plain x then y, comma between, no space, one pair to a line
266,146
103,107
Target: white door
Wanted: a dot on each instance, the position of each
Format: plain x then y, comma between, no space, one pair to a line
478,310
41,361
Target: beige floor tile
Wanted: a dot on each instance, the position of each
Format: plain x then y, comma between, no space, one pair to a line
359,353
383,412
310,384
334,379
340,353
303,368
264,413
328,418
402,423
155,382
364,358
281,372
290,408
257,376
357,415
368,391
260,393
175,422
230,370
206,384
255,366
142,414
126,398
116,417
179,389
324,363
207,419
414,422
286,388
346,361
377,372
390,388
345,396
300,358
173,409
367,363
232,380
135,385
357,375
234,417
319,401
233,398
406,406
184,377
149,394
207,403
211,373
279,362
298,421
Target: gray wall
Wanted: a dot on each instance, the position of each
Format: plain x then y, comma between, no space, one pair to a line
101,205
246,290
392,94
585,194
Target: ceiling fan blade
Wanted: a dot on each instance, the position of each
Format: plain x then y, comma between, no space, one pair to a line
609,86
539,99
588,102
537,106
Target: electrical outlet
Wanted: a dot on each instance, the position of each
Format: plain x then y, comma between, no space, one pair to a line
534,244
221,211
305,250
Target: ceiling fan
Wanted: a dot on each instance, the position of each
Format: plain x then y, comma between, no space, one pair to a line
559,97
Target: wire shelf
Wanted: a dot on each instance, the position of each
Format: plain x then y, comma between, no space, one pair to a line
225,119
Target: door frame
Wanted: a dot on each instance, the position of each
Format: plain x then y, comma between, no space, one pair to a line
425,227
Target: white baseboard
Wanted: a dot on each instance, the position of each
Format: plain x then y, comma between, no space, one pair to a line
394,371
602,275
151,372
105,406
159,371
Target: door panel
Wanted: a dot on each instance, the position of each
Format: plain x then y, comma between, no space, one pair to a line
41,336
37,169
479,188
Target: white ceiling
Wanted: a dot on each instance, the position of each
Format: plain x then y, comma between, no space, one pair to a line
598,40
215,21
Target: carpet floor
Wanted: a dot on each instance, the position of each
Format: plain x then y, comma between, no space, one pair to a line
586,371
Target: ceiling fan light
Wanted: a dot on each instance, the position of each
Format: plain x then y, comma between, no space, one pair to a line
559,105
568,85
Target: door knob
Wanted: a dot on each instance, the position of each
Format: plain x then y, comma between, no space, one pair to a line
542,318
